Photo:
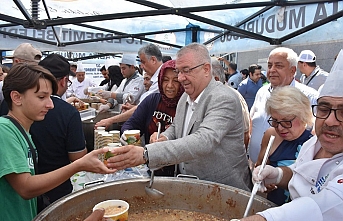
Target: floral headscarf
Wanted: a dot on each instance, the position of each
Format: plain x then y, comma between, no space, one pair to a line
169,102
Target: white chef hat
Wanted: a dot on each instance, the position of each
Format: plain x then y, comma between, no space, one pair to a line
80,67
333,86
129,59
111,62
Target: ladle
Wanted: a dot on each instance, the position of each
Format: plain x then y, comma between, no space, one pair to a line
257,184
153,193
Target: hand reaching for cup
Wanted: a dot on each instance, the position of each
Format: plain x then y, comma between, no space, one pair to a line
104,123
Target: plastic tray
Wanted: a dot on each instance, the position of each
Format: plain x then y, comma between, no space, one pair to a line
87,114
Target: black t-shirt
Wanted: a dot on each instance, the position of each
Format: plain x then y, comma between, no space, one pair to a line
57,135
3,108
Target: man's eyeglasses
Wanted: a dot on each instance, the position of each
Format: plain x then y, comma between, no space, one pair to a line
283,123
323,112
69,82
187,70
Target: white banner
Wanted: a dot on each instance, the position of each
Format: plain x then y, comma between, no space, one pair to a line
280,21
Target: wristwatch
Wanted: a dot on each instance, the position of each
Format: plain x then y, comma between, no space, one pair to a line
146,156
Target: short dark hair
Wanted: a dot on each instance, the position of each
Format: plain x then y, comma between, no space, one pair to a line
253,67
245,72
103,68
311,64
233,66
166,58
25,76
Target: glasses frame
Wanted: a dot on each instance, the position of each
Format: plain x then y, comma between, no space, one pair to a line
270,121
69,82
331,109
187,71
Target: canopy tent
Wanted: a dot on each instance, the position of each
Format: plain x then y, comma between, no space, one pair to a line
117,26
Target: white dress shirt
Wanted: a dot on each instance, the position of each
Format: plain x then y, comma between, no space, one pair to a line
154,86
191,106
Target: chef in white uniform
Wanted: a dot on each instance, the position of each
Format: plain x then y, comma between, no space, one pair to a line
80,83
315,180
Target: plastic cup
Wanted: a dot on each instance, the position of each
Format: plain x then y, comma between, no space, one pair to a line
115,136
133,137
114,210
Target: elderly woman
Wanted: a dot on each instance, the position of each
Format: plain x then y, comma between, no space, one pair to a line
290,116
158,107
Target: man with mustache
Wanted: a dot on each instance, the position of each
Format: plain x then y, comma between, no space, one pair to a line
315,180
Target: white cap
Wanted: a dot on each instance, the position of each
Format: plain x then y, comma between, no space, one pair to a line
333,84
80,67
129,59
111,62
307,56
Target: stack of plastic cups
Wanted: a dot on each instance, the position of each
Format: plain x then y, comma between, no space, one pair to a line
96,135
115,136
104,138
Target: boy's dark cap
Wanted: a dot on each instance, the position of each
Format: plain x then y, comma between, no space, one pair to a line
57,65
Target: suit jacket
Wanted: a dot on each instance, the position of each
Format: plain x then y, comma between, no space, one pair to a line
213,150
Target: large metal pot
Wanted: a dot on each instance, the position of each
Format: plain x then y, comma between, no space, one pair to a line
180,193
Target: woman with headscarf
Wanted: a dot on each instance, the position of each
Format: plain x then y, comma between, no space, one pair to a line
158,107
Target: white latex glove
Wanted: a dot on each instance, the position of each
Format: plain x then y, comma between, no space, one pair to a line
103,108
123,140
269,175
94,98
105,94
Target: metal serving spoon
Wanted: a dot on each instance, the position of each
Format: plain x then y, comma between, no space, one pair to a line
257,184
153,193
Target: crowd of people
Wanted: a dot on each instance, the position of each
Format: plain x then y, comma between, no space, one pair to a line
215,126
